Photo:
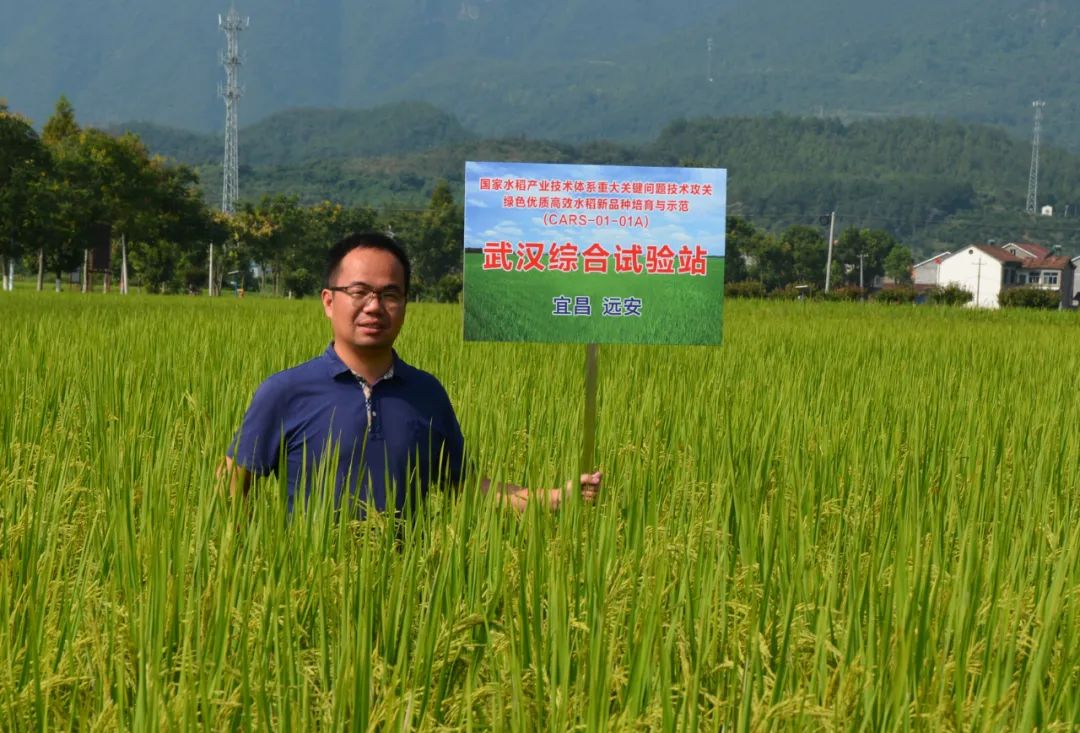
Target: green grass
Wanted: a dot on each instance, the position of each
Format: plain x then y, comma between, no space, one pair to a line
517,306
849,517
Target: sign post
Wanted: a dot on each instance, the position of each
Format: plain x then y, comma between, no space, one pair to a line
593,255
588,444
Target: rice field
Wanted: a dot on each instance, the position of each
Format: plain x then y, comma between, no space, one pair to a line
849,517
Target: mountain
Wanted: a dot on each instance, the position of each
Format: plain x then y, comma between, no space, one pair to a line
574,70
304,135
932,183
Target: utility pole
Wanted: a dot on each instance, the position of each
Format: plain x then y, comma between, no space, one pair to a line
708,68
828,260
232,24
123,265
861,258
978,281
1033,175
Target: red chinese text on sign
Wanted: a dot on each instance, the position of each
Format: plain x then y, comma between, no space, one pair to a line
596,258
692,262
496,256
530,256
563,257
628,259
659,260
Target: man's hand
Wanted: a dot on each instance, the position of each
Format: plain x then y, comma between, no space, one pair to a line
590,486
239,478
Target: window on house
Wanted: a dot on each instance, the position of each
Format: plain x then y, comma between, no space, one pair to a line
1050,278
1021,278
1033,278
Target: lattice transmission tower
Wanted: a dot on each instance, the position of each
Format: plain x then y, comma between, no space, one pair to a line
1033,176
232,24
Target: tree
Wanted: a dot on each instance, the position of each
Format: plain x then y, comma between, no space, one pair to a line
61,125
741,239
436,250
74,207
771,263
274,233
809,253
24,166
898,264
873,244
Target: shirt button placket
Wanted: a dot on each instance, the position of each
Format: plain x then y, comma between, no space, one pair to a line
374,423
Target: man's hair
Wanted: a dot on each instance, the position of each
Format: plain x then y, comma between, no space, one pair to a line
365,240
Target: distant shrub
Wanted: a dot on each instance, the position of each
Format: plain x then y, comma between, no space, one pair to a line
949,295
744,289
301,282
792,292
896,295
1029,298
846,293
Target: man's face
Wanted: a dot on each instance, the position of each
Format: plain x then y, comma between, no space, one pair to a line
371,322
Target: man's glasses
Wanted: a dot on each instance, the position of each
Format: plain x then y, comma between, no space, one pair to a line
362,295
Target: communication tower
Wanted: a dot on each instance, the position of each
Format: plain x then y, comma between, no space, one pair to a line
1033,176
231,92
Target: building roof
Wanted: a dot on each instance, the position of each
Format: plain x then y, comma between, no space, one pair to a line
1035,250
936,259
1053,262
998,253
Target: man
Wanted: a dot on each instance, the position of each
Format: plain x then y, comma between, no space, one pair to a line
358,415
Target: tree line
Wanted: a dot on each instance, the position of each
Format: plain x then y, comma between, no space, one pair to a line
72,190
799,255
80,199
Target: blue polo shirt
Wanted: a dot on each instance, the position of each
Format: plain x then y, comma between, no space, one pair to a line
314,417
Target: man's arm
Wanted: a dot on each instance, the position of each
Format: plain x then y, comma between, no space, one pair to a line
253,451
518,497
508,494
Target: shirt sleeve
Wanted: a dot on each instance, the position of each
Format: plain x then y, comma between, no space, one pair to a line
455,448
256,444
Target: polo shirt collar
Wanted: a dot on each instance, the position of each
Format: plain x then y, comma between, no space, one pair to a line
336,367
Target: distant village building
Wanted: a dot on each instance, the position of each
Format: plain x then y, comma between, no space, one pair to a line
1076,282
985,270
1026,249
926,272
1047,210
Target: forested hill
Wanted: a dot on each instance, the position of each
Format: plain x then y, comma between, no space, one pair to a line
305,135
564,69
931,183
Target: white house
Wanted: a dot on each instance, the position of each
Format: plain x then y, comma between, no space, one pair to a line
981,269
985,270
